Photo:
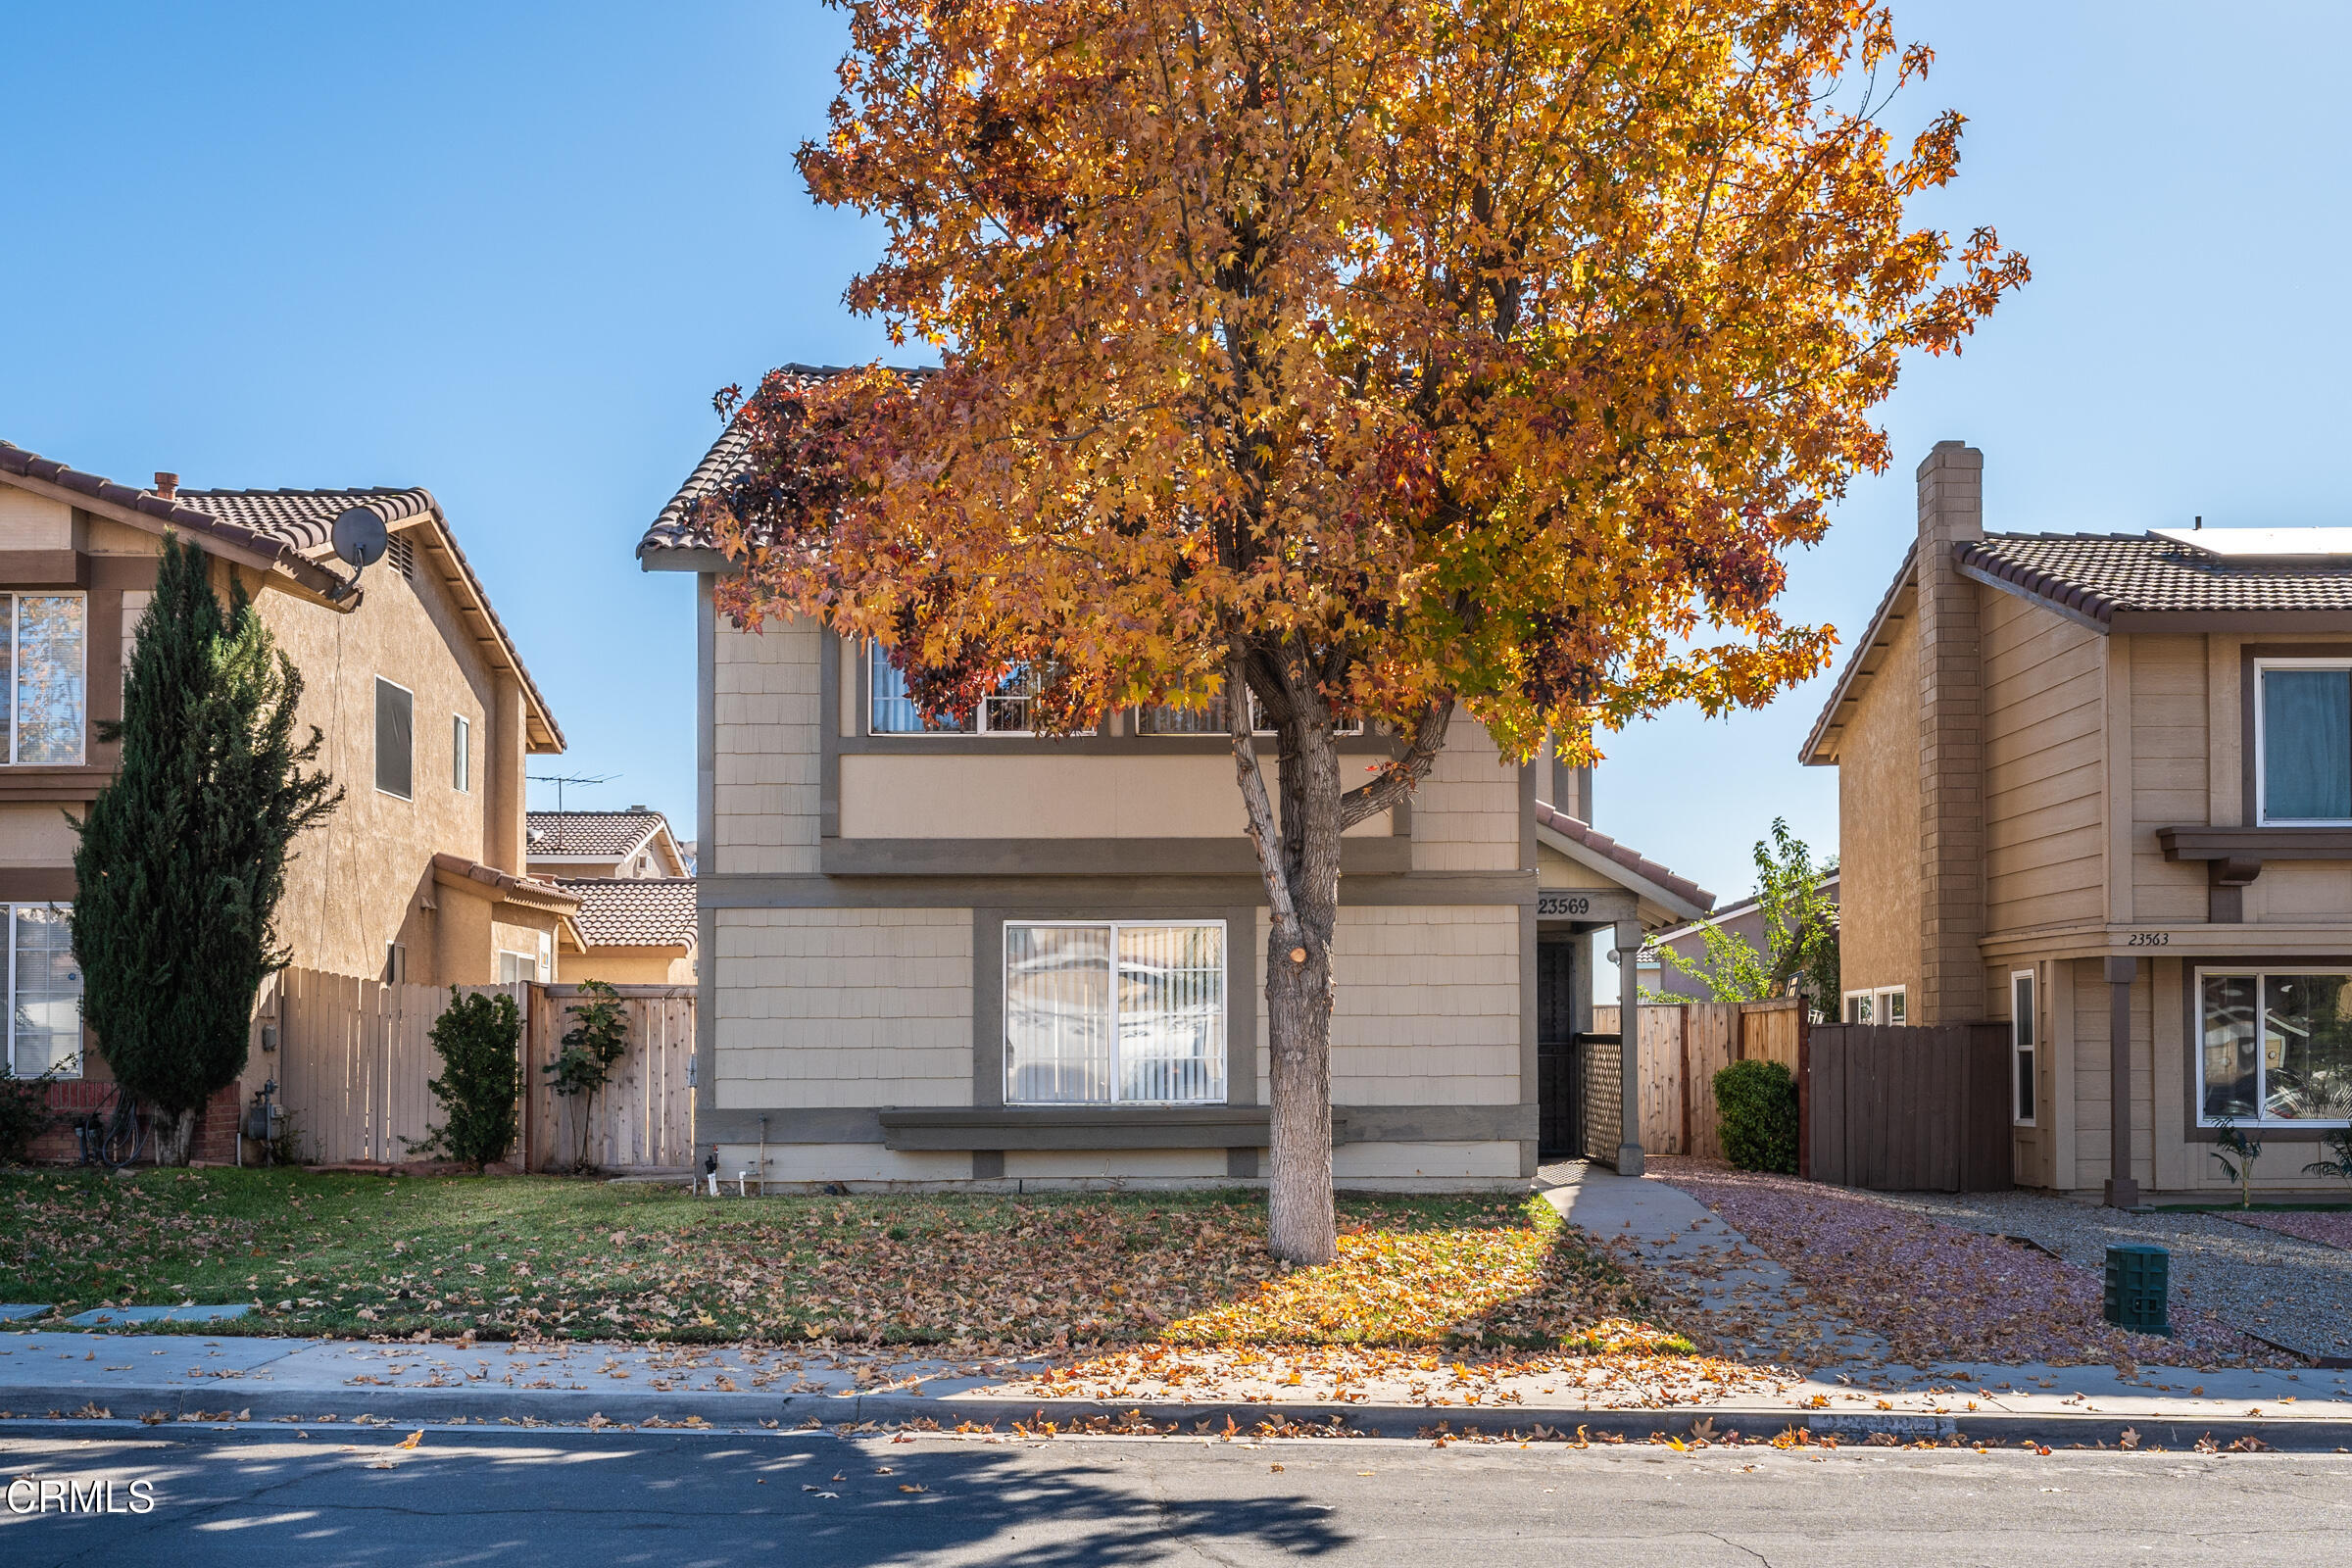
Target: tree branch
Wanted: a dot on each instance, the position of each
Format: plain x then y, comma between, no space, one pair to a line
1400,777
1264,837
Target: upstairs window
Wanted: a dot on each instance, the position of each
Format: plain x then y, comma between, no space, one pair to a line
1209,719
395,739
2303,740
42,640
460,754
892,711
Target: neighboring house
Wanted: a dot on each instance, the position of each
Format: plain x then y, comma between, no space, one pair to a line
635,843
1742,921
2099,786
940,957
424,704
636,922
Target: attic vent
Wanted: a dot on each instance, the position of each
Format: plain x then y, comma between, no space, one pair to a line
401,554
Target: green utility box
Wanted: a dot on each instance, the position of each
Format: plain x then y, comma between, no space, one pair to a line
2138,1286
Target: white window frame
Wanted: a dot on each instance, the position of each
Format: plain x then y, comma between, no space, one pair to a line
2229,971
8,993
2024,1048
2262,783
1848,1009
1222,1087
460,754
521,960
15,660
375,770
1888,1001
980,710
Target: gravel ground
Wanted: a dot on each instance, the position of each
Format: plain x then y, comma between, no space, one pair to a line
2289,1290
2326,1229
1941,1292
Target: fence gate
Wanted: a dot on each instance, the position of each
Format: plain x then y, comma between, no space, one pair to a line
354,1058
1902,1109
644,1117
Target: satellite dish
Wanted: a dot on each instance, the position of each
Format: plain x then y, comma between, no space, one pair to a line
358,537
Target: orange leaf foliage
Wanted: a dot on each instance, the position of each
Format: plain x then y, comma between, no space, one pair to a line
1410,352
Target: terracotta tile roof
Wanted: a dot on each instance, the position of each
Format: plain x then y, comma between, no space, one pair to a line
1641,865
538,892
293,526
674,527
2101,575
305,518
614,834
621,911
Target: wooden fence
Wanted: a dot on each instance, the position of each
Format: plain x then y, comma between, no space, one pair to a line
1683,1045
644,1117
354,1057
1897,1109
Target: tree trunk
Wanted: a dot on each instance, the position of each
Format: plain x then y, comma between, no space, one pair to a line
1300,857
176,1135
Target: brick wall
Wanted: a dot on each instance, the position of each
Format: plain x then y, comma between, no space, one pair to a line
216,1134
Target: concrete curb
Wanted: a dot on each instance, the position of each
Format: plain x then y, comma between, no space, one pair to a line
790,1412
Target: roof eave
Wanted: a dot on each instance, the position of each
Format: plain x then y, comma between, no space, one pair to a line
1820,746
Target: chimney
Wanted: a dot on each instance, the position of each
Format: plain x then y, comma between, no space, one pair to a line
1951,743
167,485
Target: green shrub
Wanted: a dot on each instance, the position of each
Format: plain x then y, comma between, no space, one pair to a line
23,1112
480,1041
1755,1106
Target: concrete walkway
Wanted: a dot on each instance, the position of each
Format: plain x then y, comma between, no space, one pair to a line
1747,1303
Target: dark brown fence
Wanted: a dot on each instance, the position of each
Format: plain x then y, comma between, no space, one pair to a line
1908,1110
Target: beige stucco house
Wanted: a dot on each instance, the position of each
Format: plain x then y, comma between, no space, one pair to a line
636,920
426,710
2100,787
983,955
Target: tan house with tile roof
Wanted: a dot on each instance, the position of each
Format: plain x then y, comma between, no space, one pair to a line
2100,787
943,956
423,700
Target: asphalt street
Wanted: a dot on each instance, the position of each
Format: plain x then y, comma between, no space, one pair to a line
490,1498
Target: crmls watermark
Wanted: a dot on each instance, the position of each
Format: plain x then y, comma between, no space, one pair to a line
52,1494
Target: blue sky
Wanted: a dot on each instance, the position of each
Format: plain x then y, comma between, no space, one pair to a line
508,252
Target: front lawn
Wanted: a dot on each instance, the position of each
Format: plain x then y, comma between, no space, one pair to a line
360,1255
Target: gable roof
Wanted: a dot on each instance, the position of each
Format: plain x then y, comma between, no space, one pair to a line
594,835
633,911
675,542
1726,913
1579,841
291,531
1895,606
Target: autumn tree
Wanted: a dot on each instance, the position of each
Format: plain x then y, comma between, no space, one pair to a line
1800,935
1382,359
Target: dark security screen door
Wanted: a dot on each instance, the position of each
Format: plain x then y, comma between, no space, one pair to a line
1558,1113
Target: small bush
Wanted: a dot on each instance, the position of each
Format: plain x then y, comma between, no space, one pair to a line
480,1041
24,1113
1755,1106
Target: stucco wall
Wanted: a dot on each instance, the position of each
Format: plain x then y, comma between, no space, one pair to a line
630,966
1878,826
357,881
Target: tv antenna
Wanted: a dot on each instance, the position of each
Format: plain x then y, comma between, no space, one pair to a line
559,780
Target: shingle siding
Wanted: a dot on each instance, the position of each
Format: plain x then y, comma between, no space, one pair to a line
768,748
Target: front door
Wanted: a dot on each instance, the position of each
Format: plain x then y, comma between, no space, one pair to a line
1558,1134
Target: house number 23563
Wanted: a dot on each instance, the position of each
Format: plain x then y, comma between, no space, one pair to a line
2151,939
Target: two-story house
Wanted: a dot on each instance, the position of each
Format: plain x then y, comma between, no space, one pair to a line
943,956
2099,786
422,699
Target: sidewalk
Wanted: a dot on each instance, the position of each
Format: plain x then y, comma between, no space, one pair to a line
1749,1299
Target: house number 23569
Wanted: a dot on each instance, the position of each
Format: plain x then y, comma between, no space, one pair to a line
2151,939
1557,904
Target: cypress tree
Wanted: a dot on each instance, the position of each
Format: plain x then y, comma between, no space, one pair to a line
182,855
